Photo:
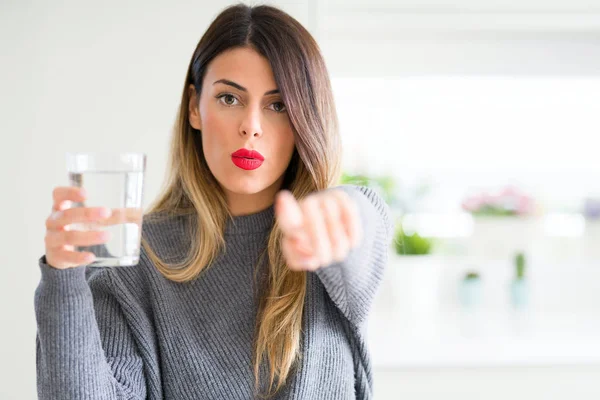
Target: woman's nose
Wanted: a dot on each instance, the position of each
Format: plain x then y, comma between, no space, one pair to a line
251,125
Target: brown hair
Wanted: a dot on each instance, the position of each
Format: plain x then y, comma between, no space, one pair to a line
192,190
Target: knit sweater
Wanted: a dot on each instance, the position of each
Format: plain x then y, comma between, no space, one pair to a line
130,333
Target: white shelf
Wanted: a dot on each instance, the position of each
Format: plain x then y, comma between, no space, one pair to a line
393,346
417,320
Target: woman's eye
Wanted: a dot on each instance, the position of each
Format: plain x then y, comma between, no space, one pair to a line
228,99
278,106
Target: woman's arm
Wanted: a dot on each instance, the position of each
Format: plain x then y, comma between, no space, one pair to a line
84,348
352,283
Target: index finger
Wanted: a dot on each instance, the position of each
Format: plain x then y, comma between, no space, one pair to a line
289,214
71,193
123,216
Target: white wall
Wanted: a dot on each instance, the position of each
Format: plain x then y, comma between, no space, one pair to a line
78,76
84,75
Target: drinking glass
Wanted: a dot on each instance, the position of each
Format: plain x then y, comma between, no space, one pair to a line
115,181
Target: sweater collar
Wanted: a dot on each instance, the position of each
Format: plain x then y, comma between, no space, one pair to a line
258,222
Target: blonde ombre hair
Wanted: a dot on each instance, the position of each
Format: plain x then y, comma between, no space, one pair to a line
192,190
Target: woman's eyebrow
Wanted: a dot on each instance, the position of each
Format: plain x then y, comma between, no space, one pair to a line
240,87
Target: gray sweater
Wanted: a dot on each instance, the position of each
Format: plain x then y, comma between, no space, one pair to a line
130,333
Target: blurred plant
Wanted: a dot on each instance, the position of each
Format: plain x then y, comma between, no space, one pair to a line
508,202
470,289
411,244
520,265
519,288
471,275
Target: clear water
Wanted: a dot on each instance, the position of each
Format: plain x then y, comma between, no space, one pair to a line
122,192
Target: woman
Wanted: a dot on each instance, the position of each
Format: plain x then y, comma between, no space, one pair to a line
256,271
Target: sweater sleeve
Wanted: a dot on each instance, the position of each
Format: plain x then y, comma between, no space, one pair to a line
353,282
84,348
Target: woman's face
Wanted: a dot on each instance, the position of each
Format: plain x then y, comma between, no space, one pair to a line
240,107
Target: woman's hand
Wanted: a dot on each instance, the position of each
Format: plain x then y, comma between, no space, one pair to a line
60,240
320,229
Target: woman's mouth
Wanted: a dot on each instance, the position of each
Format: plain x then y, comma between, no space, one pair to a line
246,163
247,159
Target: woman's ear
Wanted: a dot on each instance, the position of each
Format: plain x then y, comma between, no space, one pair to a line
193,110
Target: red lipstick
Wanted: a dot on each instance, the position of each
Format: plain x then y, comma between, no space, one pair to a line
247,159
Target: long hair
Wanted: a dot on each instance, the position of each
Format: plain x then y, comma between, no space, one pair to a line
191,189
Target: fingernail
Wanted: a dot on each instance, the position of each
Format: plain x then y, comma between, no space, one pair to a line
105,212
83,192
90,259
65,205
285,192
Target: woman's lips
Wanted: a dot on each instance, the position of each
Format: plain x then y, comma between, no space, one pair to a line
246,163
247,159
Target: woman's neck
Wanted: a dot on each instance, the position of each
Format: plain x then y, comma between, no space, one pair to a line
250,203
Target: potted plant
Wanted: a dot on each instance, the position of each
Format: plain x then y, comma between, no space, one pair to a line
414,272
519,287
469,289
509,201
502,222
412,244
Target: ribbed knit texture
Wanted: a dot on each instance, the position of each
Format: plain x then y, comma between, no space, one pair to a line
130,333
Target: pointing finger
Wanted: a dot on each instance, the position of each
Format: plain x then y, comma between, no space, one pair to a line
289,214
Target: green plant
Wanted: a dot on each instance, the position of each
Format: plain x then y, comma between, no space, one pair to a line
520,265
507,202
471,275
411,244
493,211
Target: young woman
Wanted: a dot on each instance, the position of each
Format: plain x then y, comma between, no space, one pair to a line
257,270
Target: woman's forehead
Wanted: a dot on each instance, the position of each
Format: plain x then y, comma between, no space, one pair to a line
244,66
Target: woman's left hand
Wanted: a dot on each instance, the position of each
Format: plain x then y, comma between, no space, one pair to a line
320,229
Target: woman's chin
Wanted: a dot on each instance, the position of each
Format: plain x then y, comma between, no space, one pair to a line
245,186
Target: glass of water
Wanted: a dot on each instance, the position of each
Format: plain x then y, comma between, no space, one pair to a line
115,181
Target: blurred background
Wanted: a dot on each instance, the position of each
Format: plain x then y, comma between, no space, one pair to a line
476,120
